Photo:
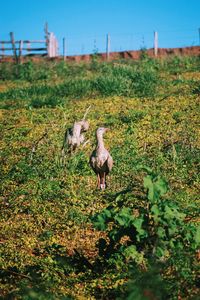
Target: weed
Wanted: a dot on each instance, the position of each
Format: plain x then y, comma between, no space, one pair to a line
48,244
149,234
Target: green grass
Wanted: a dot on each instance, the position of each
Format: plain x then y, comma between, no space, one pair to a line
48,243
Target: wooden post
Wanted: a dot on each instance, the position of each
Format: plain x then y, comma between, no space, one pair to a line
108,46
155,43
199,36
13,46
46,37
51,45
55,46
64,49
20,50
46,31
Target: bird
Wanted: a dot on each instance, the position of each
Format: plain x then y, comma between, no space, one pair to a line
74,136
100,160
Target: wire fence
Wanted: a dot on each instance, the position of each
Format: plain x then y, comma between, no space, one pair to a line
80,45
83,44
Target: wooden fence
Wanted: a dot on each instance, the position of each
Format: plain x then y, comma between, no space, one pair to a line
49,46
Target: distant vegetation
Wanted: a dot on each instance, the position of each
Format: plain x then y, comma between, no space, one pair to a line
63,239
52,84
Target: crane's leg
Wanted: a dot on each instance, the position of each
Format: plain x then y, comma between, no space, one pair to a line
98,181
103,178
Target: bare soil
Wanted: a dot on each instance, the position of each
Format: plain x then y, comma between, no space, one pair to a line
162,52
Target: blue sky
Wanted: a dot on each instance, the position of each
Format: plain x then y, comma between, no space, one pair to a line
85,23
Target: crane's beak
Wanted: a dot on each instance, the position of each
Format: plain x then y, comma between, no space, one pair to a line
107,129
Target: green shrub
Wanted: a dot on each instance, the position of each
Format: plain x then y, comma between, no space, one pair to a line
145,83
154,232
76,88
26,71
128,81
111,85
7,71
26,93
176,64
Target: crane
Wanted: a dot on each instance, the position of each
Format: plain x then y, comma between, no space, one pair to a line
100,160
74,136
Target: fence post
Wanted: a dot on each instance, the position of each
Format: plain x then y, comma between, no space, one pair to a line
13,46
49,46
108,46
56,47
155,43
20,50
52,48
64,49
199,36
52,45
46,37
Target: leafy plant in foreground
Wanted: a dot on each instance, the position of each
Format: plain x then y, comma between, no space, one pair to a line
152,232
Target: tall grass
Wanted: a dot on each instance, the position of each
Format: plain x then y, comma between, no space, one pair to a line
49,247
50,84
109,80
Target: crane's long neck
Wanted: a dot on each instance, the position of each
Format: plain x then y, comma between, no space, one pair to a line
100,142
77,129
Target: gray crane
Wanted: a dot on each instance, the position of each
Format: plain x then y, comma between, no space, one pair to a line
74,136
100,160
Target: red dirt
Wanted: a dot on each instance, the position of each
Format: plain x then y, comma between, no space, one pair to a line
162,52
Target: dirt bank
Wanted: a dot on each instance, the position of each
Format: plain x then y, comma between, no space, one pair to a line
162,52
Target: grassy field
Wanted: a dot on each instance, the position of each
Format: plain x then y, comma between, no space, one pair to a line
60,237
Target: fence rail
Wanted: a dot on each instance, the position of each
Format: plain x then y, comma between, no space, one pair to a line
83,45
20,47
